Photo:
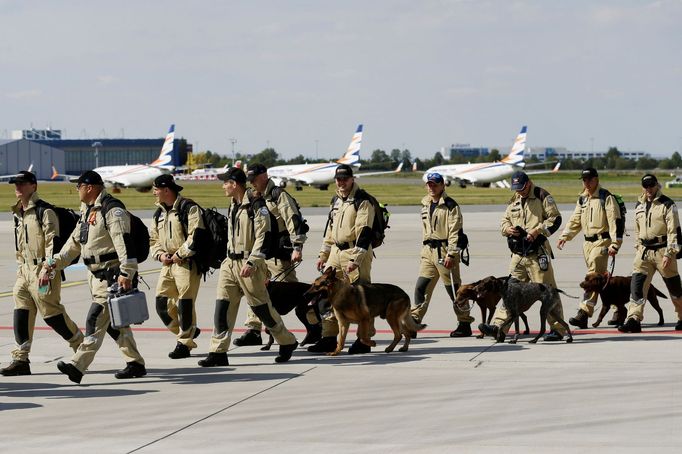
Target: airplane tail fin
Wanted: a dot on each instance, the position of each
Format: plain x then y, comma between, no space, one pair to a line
166,155
556,167
352,156
515,156
55,174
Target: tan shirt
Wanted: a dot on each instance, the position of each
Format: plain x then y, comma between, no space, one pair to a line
657,219
34,240
167,235
286,212
593,218
246,235
444,224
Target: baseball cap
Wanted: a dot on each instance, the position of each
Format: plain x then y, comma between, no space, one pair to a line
255,170
23,177
434,177
167,181
589,172
649,181
234,174
88,177
518,180
343,171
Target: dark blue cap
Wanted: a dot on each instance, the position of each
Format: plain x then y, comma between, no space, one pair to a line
518,180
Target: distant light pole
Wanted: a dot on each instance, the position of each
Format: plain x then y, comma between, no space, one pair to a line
317,157
592,147
233,141
96,146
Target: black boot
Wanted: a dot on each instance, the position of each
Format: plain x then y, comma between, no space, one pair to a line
489,330
553,336
250,337
214,359
285,352
181,351
678,326
324,345
614,318
631,326
132,370
358,348
580,319
313,335
71,371
17,367
197,331
463,330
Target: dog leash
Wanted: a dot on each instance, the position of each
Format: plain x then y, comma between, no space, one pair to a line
612,266
284,273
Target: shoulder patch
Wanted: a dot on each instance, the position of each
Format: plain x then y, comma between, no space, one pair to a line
263,211
118,212
549,199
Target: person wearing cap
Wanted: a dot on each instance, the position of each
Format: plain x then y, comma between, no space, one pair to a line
292,230
347,247
244,272
440,254
656,247
36,227
596,213
171,239
530,218
102,239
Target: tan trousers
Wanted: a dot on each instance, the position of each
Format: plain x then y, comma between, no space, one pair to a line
97,329
596,258
275,267
231,287
652,262
429,268
180,282
339,260
527,269
28,298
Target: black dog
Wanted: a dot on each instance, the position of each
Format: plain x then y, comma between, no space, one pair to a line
288,296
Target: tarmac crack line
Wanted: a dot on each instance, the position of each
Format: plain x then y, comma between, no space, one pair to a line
262,391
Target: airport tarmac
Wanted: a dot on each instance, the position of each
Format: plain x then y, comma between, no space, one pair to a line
605,392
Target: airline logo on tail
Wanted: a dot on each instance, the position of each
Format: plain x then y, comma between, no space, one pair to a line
166,155
352,156
515,156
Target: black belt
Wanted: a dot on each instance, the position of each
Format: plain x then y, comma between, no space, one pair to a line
435,243
234,256
654,247
102,258
655,243
597,237
344,246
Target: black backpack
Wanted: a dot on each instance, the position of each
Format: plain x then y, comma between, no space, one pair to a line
284,245
668,202
271,241
137,241
381,216
620,223
210,243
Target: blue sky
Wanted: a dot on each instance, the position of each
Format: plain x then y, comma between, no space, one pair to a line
418,74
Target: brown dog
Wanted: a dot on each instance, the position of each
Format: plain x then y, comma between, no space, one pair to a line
360,303
617,292
487,301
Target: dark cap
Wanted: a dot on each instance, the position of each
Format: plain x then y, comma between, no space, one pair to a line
589,172
255,170
434,177
167,181
343,171
649,181
233,174
518,180
88,177
23,177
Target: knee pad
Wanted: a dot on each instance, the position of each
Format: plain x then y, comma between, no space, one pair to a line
21,330
263,313
674,286
420,290
58,323
220,316
637,286
185,309
113,333
162,310
91,320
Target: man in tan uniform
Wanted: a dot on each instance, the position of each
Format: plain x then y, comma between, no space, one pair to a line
657,227
172,243
292,234
531,217
440,256
102,238
597,215
244,272
347,247
36,228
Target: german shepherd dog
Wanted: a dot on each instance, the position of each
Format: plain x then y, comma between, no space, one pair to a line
616,291
288,296
487,302
360,303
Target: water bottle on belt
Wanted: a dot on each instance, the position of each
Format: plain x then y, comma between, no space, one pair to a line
42,289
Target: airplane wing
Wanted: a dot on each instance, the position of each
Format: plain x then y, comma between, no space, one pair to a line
61,176
384,172
555,169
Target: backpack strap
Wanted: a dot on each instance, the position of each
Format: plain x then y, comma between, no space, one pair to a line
275,193
540,193
450,203
109,202
667,201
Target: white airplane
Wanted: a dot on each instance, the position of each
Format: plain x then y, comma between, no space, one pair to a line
322,175
140,176
7,177
487,173
209,173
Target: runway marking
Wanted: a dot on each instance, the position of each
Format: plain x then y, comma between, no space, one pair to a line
220,411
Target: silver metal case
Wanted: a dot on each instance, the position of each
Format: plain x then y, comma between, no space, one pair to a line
128,309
